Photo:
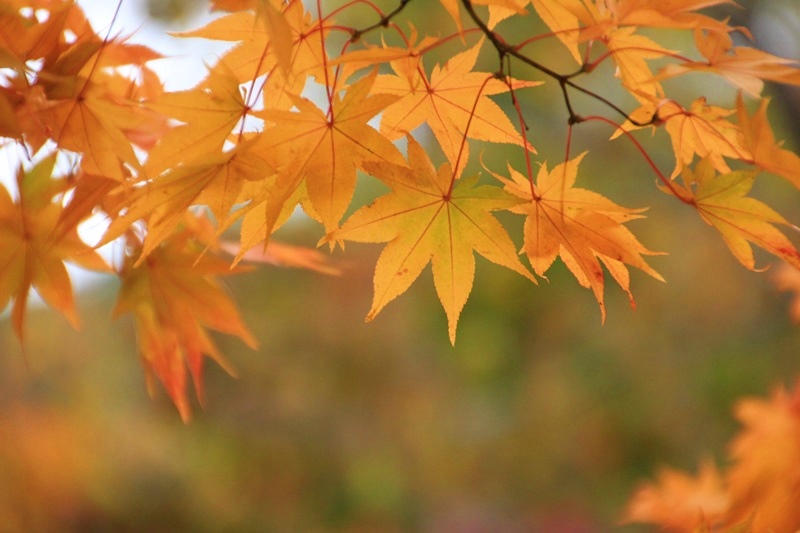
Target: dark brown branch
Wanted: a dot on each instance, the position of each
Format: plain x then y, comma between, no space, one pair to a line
564,80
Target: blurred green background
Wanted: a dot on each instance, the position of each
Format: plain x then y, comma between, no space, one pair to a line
539,419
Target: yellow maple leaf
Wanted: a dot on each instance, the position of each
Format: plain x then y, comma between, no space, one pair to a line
743,66
430,218
722,202
701,130
323,149
454,102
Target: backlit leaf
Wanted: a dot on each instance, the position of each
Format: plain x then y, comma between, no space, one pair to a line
430,218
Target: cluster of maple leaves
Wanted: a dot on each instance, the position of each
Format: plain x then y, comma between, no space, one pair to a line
171,171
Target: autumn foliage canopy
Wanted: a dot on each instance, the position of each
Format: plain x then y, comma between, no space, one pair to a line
175,174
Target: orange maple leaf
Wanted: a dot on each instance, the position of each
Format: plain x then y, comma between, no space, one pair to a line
324,149
615,24
285,255
758,138
599,16
453,9
582,227
27,38
701,130
454,102
175,296
680,502
429,218
743,66
758,493
83,116
722,202
35,241
252,56
82,103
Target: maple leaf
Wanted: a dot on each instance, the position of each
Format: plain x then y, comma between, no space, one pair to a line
680,502
765,477
722,202
324,149
758,138
615,24
701,130
743,66
35,242
174,297
429,218
208,112
259,221
582,227
90,193
454,102
251,57
9,125
80,102
88,120
500,10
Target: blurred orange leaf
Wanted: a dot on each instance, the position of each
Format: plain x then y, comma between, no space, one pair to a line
679,502
36,241
758,138
175,296
765,477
